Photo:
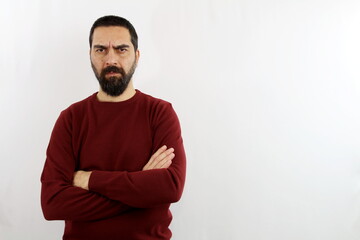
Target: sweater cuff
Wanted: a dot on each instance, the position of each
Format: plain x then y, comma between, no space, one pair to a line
102,182
95,181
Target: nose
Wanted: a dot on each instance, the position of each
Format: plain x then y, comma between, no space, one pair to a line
110,58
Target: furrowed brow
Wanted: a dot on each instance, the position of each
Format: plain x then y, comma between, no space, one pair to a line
100,46
121,46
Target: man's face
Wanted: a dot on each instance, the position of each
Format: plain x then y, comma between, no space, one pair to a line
113,58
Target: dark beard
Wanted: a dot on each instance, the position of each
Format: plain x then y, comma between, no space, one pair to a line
114,86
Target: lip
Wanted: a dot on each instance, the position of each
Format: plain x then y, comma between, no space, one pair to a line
112,74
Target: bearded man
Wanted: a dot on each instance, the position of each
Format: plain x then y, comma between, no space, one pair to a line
115,161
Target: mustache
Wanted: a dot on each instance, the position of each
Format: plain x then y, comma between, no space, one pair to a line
113,69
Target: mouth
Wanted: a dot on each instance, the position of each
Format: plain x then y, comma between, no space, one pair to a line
112,73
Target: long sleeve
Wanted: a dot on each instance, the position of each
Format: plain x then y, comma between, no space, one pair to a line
60,200
149,188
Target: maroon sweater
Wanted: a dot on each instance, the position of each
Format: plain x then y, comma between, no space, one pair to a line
115,141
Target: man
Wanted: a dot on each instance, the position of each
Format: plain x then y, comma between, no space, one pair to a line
115,161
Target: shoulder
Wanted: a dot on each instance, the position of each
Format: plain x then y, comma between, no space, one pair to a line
159,110
156,106
154,102
77,108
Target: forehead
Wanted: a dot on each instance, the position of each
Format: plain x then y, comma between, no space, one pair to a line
114,34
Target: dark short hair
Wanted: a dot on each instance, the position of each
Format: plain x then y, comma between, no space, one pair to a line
112,20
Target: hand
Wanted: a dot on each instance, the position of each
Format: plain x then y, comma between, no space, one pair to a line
161,159
81,179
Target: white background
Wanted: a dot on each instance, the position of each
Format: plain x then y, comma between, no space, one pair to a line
267,92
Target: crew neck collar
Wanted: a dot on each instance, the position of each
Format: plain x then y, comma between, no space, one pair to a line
127,101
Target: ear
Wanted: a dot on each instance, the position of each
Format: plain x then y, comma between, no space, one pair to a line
137,56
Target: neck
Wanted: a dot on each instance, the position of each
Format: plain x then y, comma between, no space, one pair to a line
127,94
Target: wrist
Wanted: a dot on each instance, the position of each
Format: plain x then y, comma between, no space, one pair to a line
86,180
81,179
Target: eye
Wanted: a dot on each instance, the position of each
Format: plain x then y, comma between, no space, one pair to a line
100,50
122,49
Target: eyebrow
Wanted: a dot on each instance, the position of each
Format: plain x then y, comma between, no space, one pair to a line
99,46
121,46
116,47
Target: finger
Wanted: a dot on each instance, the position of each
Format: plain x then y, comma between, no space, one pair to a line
169,161
154,156
161,157
158,152
166,162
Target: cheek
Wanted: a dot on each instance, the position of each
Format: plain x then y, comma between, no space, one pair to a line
96,68
96,63
96,60
130,61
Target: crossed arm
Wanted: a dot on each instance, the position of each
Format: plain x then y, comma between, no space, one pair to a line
94,195
64,202
160,159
